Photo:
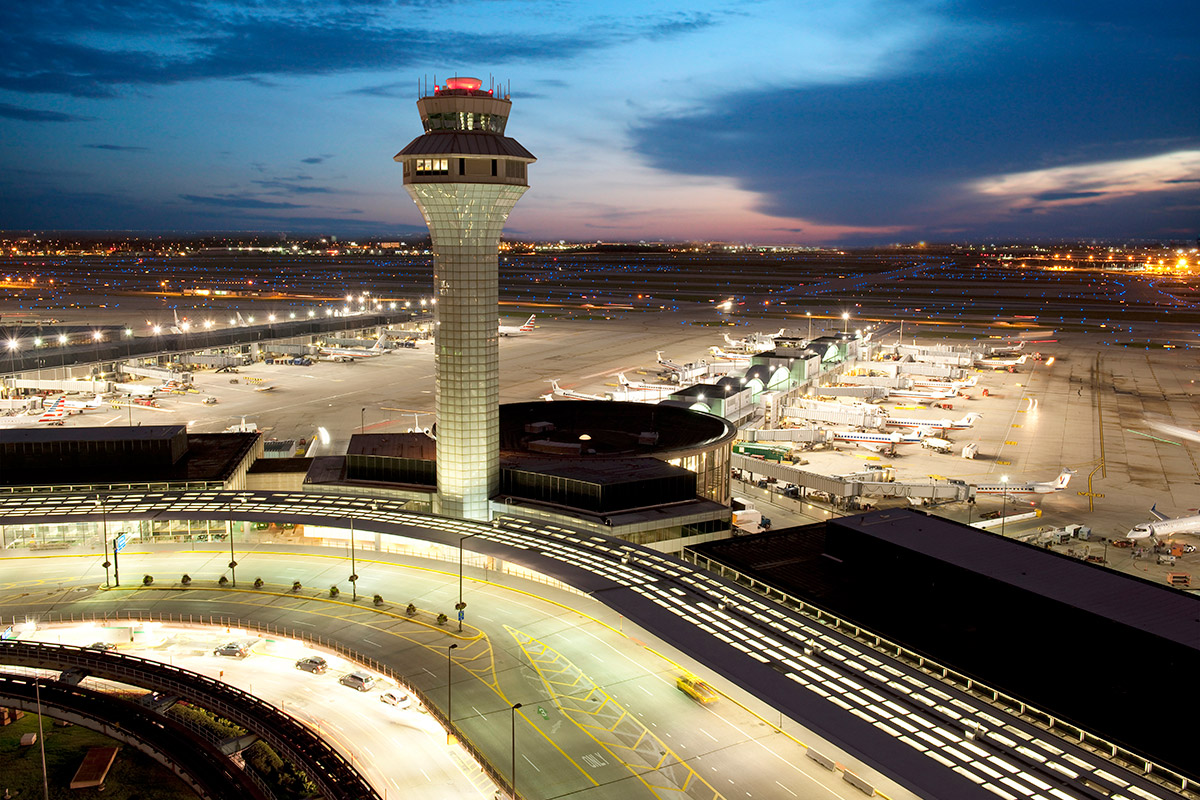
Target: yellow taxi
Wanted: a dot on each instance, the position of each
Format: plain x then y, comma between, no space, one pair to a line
696,689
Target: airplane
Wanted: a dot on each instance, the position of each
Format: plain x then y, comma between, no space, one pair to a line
511,330
266,388
1000,363
743,358
754,343
634,386
1164,526
923,395
934,424
353,353
78,406
667,364
573,395
53,415
931,383
1033,487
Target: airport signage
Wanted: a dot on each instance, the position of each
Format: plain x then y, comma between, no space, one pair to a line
1090,494
120,542
542,711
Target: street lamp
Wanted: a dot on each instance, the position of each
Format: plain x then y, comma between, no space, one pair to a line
450,696
104,537
809,315
513,716
845,322
1003,502
12,364
353,574
362,421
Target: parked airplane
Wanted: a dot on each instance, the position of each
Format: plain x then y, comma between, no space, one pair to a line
643,387
923,395
74,405
265,388
573,395
934,424
353,353
755,342
1000,363
667,364
511,330
1164,526
875,442
53,415
934,383
736,358
1026,489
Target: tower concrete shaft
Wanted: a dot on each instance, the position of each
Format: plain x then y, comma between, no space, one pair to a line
466,176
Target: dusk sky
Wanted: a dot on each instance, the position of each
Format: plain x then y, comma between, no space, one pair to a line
847,121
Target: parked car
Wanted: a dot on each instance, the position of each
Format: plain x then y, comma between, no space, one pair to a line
398,699
105,646
233,649
313,664
358,680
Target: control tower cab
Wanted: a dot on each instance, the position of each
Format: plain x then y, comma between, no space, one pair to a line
465,175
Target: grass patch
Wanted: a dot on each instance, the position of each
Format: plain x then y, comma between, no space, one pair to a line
133,776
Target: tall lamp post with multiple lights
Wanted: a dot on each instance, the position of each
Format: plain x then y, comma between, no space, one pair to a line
809,315
845,322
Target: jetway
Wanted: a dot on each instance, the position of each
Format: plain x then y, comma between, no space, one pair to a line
853,417
842,489
883,381
800,435
861,392
157,373
87,387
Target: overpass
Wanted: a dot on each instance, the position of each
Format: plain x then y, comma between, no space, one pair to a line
938,733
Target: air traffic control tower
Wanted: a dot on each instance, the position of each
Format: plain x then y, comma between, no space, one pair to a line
466,175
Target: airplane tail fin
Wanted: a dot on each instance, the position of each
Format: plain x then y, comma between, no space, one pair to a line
969,420
528,326
554,385
378,346
1064,478
622,379
1023,359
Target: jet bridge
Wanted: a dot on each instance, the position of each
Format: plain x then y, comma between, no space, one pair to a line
853,486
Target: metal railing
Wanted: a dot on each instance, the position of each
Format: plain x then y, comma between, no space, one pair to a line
1044,720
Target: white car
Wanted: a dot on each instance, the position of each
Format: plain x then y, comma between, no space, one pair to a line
397,699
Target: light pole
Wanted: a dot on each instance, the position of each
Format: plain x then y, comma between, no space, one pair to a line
845,322
96,337
229,532
1003,502
809,315
37,690
12,364
353,574
362,420
104,536
461,605
449,696
513,715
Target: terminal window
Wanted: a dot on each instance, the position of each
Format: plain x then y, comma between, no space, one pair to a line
433,166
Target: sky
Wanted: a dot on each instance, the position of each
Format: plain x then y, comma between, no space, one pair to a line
795,121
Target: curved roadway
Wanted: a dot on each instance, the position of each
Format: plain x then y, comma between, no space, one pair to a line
935,740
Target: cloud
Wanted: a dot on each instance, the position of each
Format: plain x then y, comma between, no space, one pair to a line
913,148
236,201
9,111
122,148
314,159
286,186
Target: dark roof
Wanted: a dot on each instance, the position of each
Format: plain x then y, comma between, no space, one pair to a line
1160,610
393,445
602,471
270,465
615,428
91,434
456,143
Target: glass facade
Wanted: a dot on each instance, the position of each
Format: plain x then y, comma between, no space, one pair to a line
464,121
432,166
465,221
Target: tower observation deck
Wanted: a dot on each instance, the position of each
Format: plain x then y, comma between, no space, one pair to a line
465,175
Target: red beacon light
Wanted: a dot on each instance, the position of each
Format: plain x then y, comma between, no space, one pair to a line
469,84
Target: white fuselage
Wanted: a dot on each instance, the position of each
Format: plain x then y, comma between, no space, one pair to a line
1164,527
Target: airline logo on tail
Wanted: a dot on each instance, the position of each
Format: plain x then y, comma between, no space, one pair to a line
55,413
509,330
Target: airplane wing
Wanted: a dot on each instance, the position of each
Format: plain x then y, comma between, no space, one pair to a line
1158,515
